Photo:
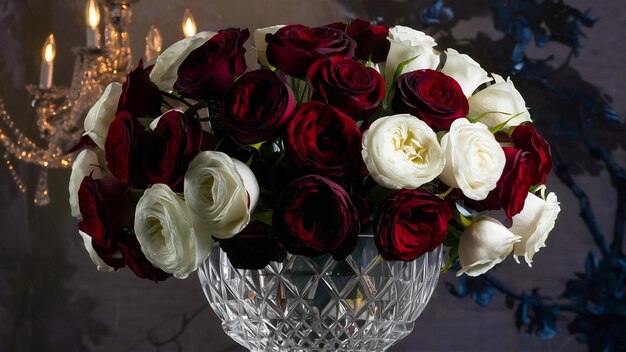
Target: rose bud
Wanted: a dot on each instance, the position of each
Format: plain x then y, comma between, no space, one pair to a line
221,193
474,159
513,185
140,96
256,107
324,140
294,48
102,113
499,103
401,151
409,44
253,248
527,138
162,228
347,85
465,71
89,162
176,139
410,223
315,216
434,97
124,149
533,224
209,70
165,70
372,43
484,244
106,209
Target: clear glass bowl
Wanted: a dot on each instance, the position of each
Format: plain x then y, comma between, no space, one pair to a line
361,303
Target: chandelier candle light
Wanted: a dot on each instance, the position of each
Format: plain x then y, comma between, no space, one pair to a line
47,63
60,111
93,20
189,24
316,198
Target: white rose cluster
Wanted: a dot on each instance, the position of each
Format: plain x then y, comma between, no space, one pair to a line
176,232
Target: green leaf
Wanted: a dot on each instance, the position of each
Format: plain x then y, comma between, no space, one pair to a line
481,116
499,127
377,194
264,216
452,255
401,67
396,75
444,194
464,215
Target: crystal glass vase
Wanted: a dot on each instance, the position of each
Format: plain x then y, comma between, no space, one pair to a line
361,303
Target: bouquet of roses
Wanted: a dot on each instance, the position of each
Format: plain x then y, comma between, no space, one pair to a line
345,129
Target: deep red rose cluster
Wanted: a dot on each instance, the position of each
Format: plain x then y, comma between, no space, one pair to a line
300,128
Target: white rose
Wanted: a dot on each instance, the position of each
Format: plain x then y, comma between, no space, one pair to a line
465,71
474,159
406,44
221,193
165,71
533,224
484,244
163,229
402,151
102,113
95,258
499,102
261,44
87,162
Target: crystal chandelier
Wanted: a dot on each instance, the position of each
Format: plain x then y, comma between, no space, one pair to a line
60,111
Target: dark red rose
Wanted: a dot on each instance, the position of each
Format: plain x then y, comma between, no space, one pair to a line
294,48
253,248
124,146
323,140
110,256
106,208
528,139
85,142
127,252
513,186
337,25
108,211
372,43
257,106
140,96
315,216
434,97
175,141
209,70
137,261
347,85
410,223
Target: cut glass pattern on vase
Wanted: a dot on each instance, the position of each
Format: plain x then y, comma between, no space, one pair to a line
361,303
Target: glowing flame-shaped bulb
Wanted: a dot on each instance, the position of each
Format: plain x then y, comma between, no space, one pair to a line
92,14
189,24
49,50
